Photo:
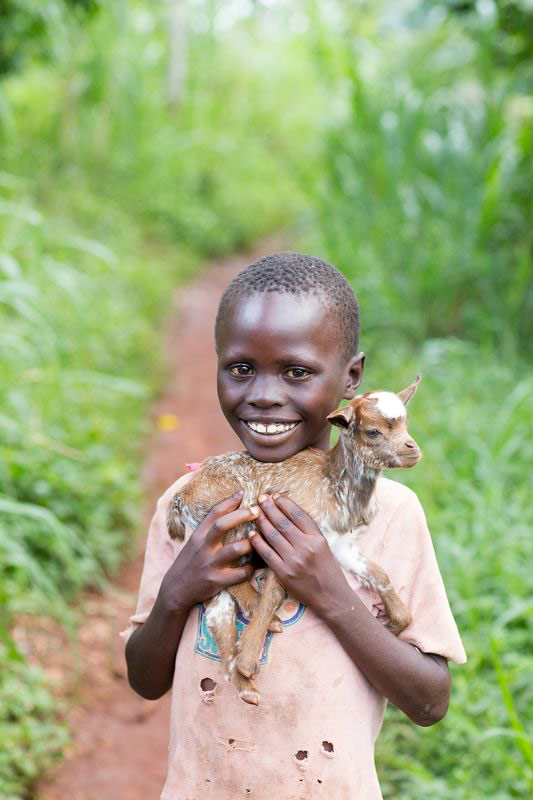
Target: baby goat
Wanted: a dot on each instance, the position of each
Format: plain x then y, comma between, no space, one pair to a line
335,487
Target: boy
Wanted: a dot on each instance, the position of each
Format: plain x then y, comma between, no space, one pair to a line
286,338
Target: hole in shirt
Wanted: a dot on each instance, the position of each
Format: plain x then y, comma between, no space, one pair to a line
230,741
207,685
301,755
318,780
328,747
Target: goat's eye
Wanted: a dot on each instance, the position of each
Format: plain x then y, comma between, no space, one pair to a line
241,370
373,433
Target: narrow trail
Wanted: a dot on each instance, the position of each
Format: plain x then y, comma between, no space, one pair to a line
119,741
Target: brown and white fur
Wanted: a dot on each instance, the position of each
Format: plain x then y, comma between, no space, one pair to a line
335,487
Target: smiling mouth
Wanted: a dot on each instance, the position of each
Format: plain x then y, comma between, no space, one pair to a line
271,428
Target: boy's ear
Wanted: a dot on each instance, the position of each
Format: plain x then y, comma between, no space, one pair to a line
341,417
406,394
354,374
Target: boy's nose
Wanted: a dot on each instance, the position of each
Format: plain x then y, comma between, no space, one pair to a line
265,392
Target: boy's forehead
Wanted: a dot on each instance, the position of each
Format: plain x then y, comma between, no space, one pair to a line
278,326
278,318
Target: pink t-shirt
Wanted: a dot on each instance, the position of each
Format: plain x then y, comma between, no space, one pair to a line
313,734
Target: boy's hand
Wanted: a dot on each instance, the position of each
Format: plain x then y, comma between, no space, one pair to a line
291,544
203,566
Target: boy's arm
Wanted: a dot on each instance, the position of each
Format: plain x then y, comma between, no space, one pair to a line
200,571
293,546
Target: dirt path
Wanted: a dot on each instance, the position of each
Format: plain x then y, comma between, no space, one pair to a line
119,747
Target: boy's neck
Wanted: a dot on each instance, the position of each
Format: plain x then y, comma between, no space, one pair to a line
324,440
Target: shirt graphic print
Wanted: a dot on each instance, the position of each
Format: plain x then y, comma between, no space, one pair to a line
205,645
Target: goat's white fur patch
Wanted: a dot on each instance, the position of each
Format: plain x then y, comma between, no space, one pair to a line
344,548
221,610
389,404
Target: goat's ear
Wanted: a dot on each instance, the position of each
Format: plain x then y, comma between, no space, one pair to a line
406,394
341,417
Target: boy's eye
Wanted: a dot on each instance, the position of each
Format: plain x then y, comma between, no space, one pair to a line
241,370
297,372
373,433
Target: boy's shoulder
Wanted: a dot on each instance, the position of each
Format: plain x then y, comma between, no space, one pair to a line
393,497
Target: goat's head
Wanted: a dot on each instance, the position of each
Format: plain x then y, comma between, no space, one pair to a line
375,425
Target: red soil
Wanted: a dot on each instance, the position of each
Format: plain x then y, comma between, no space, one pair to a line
119,740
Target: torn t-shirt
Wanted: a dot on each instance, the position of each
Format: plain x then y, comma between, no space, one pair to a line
313,734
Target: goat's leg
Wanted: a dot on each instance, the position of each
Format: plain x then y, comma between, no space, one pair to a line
376,579
193,501
248,599
250,645
373,577
185,508
220,620
246,688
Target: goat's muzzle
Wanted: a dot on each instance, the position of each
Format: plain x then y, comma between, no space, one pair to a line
410,454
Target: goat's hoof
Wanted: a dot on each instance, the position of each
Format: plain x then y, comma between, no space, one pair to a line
250,696
396,626
246,667
275,625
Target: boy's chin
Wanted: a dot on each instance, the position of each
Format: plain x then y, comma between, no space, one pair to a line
272,454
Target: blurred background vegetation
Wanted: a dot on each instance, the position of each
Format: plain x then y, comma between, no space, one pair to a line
394,139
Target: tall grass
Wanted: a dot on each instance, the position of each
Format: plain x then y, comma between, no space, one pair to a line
424,193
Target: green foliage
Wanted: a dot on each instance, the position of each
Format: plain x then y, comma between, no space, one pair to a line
30,734
203,173
78,332
424,195
75,341
29,28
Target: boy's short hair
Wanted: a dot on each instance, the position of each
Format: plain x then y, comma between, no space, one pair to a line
299,274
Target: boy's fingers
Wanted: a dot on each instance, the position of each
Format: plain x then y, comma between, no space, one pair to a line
229,504
233,575
228,553
221,525
283,526
274,537
303,521
269,556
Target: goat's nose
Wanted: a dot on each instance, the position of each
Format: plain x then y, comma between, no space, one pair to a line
411,444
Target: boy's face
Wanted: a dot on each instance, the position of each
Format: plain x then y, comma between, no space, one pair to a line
279,365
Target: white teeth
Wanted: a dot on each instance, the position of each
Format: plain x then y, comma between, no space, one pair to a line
272,428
